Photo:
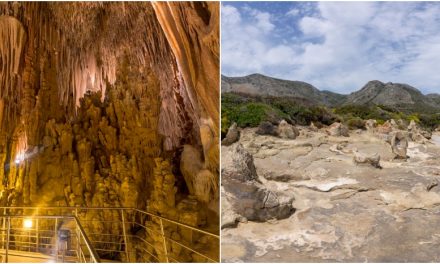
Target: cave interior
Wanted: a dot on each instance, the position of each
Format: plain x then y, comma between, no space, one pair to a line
113,104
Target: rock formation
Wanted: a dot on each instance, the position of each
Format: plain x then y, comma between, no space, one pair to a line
313,127
337,130
267,128
283,130
399,144
346,209
373,160
287,131
415,133
232,136
371,124
245,193
95,96
388,127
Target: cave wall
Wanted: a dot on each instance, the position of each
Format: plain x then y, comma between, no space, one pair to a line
92,93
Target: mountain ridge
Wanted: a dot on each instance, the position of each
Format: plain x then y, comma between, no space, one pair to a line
400,96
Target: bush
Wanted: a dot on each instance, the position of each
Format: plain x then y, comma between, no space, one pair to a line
355,123
430,122
250,111
247,113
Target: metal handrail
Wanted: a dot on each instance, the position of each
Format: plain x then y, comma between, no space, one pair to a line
111,208
94,256
95,245
28,244
92,251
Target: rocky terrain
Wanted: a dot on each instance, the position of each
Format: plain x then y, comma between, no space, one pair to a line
331,194
402,97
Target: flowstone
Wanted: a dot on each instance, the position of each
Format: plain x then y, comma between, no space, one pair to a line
187,211
84,114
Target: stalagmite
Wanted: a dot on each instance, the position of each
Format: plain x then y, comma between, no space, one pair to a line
96,104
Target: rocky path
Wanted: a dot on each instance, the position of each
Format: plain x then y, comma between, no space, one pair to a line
345,211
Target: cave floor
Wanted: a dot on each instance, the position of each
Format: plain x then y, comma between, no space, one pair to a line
15,256
344,212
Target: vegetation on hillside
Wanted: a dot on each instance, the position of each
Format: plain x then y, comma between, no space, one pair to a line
250,111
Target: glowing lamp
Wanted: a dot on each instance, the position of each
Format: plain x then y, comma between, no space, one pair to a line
27,223
19,158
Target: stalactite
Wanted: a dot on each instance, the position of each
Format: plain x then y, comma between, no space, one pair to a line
13,38
99,95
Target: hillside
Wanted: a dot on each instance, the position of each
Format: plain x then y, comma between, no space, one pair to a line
401,97
257,84
398,96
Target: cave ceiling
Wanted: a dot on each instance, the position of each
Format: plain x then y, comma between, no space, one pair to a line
103,87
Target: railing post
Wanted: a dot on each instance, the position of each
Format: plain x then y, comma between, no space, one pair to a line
7,240
164,240
4,227
56,240
125,235
37,235
78,245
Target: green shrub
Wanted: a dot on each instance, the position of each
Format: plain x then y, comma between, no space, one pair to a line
246,113
355,123
430,121
250,111
413,117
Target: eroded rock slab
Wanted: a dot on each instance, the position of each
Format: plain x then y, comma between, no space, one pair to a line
245,194
344,212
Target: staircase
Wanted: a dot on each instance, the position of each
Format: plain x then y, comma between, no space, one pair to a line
90,235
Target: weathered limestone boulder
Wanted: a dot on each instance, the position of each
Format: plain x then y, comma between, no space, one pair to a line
337,129
313,127
417,134
370,124
237,165
287,131
232,136
426,134
373,160
246,195
285,176
399,144
412,126
401,124
229,216
267,128
387,127
393,123
341,148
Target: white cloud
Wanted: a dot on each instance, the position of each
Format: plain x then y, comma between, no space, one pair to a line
293,12
358,42
247,42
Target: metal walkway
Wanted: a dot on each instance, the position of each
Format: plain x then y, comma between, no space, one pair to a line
86,234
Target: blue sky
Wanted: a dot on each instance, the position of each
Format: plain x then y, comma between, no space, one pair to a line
337,46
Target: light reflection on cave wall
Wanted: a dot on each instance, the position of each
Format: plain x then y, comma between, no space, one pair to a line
92,93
